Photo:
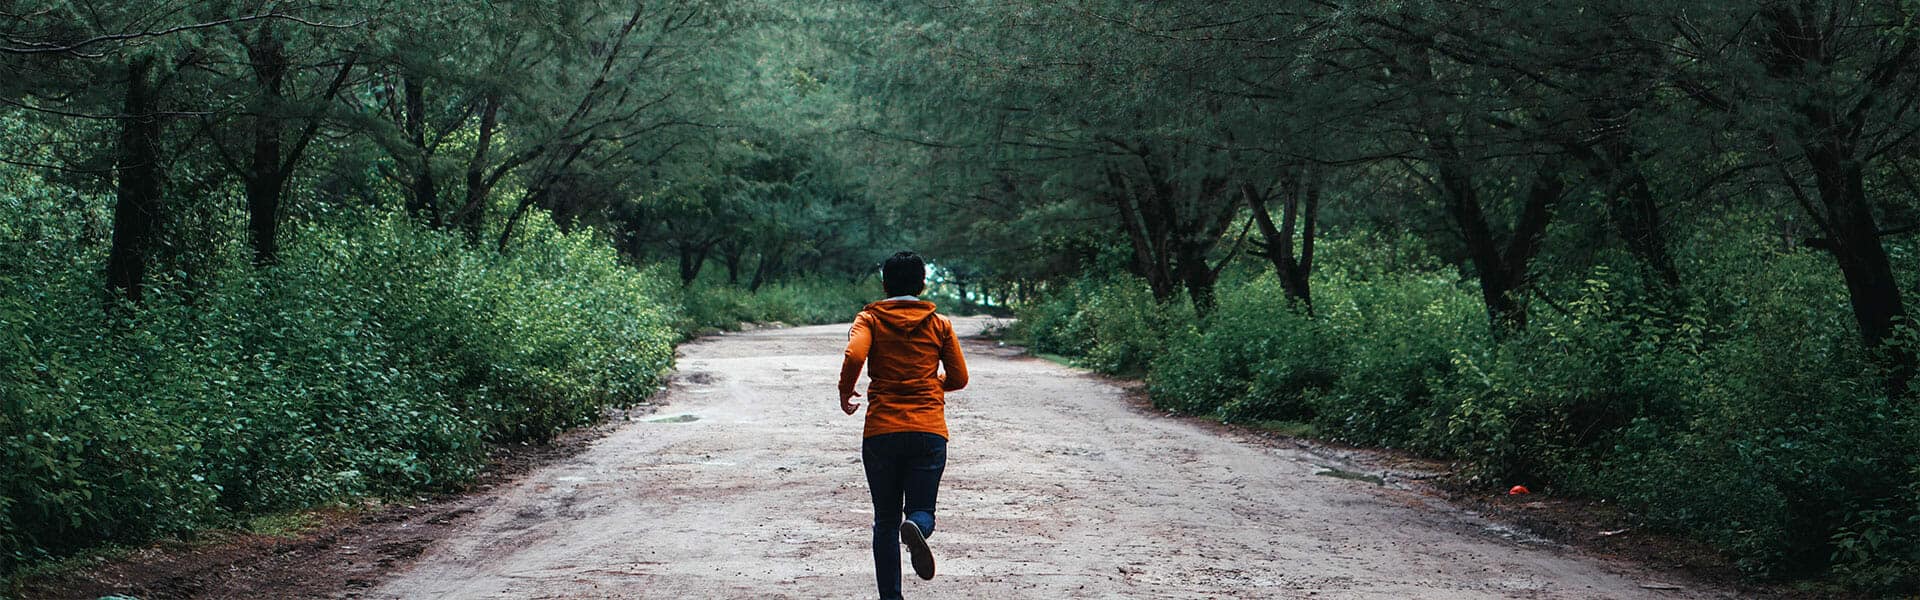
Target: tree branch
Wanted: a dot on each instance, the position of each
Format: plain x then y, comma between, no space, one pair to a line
76,47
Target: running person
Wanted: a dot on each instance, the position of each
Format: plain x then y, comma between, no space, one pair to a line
903,344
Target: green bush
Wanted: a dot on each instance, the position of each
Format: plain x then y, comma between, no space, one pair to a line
816,300
1400,334
1765,431
376,358
1739,409
1259,357
1053,325
1111,326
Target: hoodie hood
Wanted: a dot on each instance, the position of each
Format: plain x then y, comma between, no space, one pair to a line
902,315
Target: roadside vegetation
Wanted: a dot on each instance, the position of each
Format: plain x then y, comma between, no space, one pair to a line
1659,254
1746,417
263,256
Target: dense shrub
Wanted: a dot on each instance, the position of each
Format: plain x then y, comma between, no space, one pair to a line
1738,409
1054,324
1259,357
1399,334
1111,326
712,304
376,358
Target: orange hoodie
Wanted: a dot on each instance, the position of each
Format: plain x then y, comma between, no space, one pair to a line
903,343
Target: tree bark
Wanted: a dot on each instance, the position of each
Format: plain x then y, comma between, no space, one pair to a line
473,210
1632,208
1636,215
537,191
692,259
271,164
730,256
1197,238
1172,230
1871,286
1200,279
769,262
1144,228
423,201
1831,144
1529,234
1299,212
635,246
1503,274
137,208
264,180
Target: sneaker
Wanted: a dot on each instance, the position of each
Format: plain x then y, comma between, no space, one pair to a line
917,547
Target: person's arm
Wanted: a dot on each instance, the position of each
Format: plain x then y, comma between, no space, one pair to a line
859,340
955,363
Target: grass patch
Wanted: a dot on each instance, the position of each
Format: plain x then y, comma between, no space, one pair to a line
1287,428
282,525
1056,359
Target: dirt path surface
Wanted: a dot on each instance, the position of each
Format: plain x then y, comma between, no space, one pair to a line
749,485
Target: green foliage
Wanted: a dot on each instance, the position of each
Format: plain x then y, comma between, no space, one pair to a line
1676,327
809,301
1111,326
1400,333
1742,413
376,359
1259,357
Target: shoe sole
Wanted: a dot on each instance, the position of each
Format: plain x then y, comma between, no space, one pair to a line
918,549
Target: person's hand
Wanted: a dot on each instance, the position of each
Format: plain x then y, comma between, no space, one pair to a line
846,402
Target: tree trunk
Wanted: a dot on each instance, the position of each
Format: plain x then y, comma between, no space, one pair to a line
265,182
1143,225
1871,287
473,210
731,256
271,163
137,207
1172,223
635,246
1631,206
692,260
1503,275
1196,237
1504,315
769,262
1309,235
1199,280
1529,234
520,209
423,200
1636,216
537,192
1463,204
1831,144
1299,211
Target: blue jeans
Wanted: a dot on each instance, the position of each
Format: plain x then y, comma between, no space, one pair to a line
903,473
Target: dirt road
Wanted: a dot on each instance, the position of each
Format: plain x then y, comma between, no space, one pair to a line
749,486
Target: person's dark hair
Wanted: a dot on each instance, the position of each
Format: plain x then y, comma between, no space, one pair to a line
904,274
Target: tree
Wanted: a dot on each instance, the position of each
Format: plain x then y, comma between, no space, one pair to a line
1299,194
1823,92
139,197
278,127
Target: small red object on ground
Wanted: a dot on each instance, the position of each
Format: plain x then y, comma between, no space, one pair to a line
1517,490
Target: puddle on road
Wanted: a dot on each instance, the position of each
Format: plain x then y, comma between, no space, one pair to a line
1353,475
684,418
